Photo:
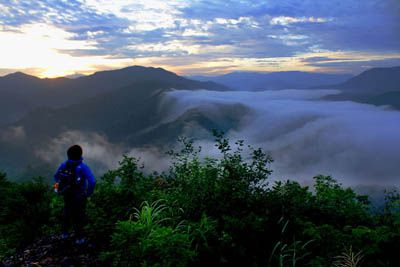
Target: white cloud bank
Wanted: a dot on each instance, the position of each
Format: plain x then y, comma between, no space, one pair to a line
285,20
356,143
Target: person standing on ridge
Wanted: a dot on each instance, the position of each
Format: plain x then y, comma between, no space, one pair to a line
75,181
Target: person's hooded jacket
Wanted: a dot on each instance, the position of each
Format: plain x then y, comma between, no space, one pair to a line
83,171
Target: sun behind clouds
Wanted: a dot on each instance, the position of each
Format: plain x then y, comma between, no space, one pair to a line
43,50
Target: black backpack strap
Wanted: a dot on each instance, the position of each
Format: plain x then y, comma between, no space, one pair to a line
68,176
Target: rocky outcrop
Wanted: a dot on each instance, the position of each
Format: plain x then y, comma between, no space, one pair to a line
53,251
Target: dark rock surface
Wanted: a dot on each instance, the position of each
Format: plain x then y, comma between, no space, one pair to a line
53,251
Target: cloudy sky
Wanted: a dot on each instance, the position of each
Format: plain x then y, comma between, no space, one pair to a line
53,38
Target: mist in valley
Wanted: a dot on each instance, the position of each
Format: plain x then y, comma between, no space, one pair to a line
306,135
355,143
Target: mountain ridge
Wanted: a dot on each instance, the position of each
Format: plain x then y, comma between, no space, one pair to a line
58,92
256,81
375,80
122,115
377,86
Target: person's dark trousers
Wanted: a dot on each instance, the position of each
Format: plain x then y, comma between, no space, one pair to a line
74,213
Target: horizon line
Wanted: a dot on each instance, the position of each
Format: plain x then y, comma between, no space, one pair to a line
22,71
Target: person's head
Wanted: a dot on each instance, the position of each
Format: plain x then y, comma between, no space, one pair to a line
74,152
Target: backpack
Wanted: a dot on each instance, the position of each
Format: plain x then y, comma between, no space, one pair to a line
69,181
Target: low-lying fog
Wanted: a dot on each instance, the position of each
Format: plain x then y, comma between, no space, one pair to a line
355,143
358,144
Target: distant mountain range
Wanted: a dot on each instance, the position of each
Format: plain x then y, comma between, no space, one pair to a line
258,81
132,114
21,93
372,81
129,106
378,86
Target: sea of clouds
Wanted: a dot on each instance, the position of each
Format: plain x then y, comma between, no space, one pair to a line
358,144
306,135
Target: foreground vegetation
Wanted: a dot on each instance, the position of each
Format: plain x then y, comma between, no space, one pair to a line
212,212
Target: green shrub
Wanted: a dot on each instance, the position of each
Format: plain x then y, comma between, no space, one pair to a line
24,211
145,241
215,211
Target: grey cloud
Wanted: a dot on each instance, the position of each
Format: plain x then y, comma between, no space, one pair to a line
354,66
97,149
100,153
370,26
318,59
13,134
245,26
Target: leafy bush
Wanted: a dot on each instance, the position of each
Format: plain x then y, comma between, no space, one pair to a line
214,211
24,211
116,195
145,241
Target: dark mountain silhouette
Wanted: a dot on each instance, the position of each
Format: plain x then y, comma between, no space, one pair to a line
20,93
253,81
378,86
104,81
23,92
389,98
131,115
375,81
23,84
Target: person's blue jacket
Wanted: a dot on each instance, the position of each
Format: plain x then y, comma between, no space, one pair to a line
82,170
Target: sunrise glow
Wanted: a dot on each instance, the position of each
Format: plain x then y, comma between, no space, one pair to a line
50,40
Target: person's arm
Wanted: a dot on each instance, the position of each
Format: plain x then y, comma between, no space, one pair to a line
91,181
56,177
